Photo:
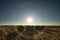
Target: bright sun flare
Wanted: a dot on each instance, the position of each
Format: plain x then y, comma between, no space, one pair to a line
30,20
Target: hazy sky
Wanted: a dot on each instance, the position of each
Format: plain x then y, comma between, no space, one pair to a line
42,11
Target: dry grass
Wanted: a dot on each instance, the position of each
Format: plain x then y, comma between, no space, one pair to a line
12,33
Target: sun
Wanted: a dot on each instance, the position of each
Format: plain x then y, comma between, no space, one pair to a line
30,20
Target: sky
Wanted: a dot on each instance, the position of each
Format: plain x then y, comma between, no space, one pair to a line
46,12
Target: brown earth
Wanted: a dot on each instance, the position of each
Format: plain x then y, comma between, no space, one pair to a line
9,32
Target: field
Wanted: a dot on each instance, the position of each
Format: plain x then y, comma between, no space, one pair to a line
26,32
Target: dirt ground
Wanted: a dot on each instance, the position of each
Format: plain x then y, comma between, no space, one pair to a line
9,32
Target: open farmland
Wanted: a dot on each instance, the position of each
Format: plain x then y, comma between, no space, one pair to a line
26,32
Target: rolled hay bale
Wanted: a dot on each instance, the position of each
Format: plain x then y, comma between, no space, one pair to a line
20,28
11,36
